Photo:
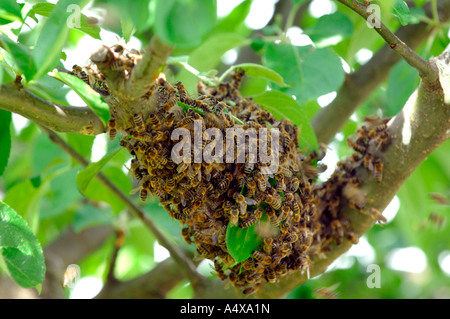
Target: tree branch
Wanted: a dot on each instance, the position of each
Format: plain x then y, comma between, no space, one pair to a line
360,84
154,284
145,72
61,118
427,71
177,254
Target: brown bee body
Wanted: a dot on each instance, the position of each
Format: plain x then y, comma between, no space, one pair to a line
378,170
112,129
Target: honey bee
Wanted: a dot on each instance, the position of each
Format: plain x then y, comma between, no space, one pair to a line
139,122
251,187
337,230
182,92
437,220
240,199
260,180
143,194
291,237
294,185
271,276
273,201
219,271
262,257
225,182
280,186
200,237
375,213
169,120
112,129
250,221
185,122
236,78
378,170
273,218
367,161
78,72
186,234
357,147
71,275
155,122
327,292
249,291
234,216
352,237
220,107
268,245
250,164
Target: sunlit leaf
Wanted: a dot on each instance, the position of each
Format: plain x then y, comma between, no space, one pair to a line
283,106
93,100
54,34
309,72
236,17
257,70
208,54
20,251
184,23
85,176
241,242
401,11
330,29
20,54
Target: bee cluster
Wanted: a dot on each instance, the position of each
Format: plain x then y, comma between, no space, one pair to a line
344,186
294,217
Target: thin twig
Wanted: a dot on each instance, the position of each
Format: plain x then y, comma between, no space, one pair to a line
177,254
427,70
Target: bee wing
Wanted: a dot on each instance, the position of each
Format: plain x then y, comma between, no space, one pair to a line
135,190
250,201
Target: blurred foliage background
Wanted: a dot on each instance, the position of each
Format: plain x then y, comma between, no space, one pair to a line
412,249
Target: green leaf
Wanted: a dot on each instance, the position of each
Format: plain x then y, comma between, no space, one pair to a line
88,216
236,17
401,11
61,193
282,106
25,198
402,82
11,10
184,23
208,54
54,34
309,72
241,242
85,176
128,28
330,29
93,100
21,56
98,192
44,9
5,139
256,70
20,251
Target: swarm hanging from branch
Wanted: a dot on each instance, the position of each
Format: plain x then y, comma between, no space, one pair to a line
283,216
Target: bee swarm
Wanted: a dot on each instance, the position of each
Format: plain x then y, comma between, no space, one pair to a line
296,218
